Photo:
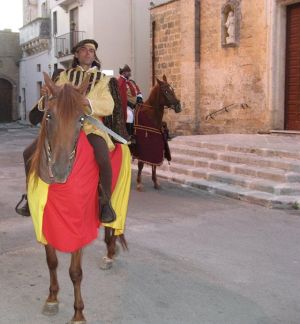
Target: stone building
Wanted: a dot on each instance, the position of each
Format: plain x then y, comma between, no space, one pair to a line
10,55
235,64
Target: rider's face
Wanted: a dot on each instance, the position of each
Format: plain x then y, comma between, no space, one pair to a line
86,55
127,74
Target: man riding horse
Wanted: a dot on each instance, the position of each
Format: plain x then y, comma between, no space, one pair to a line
130,96
99,103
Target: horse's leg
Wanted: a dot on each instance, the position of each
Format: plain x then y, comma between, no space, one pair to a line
110,241
154,177
51,305
76,277
139,185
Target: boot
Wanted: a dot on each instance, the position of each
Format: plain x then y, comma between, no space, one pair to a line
24,210
107,213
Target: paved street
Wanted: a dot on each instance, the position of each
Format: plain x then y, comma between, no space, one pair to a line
193,258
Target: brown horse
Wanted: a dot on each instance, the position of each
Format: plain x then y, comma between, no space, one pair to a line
148,128
54,161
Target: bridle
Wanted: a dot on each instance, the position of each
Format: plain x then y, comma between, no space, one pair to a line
47,145
168,93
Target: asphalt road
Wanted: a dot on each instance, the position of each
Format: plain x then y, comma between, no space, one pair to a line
193,258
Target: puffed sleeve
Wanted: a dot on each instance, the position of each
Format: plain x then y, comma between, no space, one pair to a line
62,79
101,101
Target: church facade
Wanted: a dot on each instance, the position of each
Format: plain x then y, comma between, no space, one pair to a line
235,64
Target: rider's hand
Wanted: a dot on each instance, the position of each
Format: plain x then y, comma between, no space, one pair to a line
86,102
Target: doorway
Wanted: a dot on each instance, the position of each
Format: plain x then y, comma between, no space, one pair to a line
292,80
5,101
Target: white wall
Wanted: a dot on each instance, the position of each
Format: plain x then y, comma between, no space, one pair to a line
123,35
112,32
142,57
29,78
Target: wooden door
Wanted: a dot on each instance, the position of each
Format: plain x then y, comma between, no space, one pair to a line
5,101
292,84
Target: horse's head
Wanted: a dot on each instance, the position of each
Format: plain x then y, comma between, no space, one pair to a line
167,95
63,120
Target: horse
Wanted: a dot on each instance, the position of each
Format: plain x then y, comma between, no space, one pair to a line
63,168
150,142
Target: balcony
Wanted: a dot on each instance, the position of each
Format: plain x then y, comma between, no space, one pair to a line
63,45
35,36
65,4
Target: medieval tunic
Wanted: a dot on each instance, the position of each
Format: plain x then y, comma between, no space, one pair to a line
98,94
66,215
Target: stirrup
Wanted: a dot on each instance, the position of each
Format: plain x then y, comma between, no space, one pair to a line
23,211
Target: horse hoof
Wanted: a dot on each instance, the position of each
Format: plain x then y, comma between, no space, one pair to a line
139,187
50,308
106,263
77,322
157,187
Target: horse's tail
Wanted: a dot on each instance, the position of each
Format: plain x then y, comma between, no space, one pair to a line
123,241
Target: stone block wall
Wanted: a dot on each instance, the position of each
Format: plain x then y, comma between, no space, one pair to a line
208,76
167,40
234,75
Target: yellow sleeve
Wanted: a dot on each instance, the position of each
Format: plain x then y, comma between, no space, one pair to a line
100,98
63,78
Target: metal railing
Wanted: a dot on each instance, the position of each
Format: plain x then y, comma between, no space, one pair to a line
226,110
63,44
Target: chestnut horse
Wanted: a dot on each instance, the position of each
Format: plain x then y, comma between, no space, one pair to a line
65,160
149,146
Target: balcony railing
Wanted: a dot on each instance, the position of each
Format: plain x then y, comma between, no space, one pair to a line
65,43
38,28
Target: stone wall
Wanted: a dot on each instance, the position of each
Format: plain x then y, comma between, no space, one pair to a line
174,51
167,39
10,54
207,76
234,75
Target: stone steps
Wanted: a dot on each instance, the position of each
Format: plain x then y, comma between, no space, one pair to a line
265,176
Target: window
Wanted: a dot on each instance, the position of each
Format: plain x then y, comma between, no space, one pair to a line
38,67
39,87
54,21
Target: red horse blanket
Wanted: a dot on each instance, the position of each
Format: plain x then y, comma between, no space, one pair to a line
67,215
149,139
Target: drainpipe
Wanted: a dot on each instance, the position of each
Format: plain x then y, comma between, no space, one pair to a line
132,36
153,53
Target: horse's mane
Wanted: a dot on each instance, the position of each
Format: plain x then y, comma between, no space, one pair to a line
154,92
69,103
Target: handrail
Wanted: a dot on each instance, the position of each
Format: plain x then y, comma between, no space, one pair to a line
226,109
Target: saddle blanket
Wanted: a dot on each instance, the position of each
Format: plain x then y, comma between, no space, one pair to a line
67,215
149,139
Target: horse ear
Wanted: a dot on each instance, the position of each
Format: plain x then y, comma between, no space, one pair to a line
165,78
50,84
84,85
158,81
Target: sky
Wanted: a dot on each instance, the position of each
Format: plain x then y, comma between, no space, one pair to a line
11,14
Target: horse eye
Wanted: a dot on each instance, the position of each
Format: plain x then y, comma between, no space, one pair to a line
48,116
81,119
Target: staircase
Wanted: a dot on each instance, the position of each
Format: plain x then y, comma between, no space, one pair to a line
266,172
